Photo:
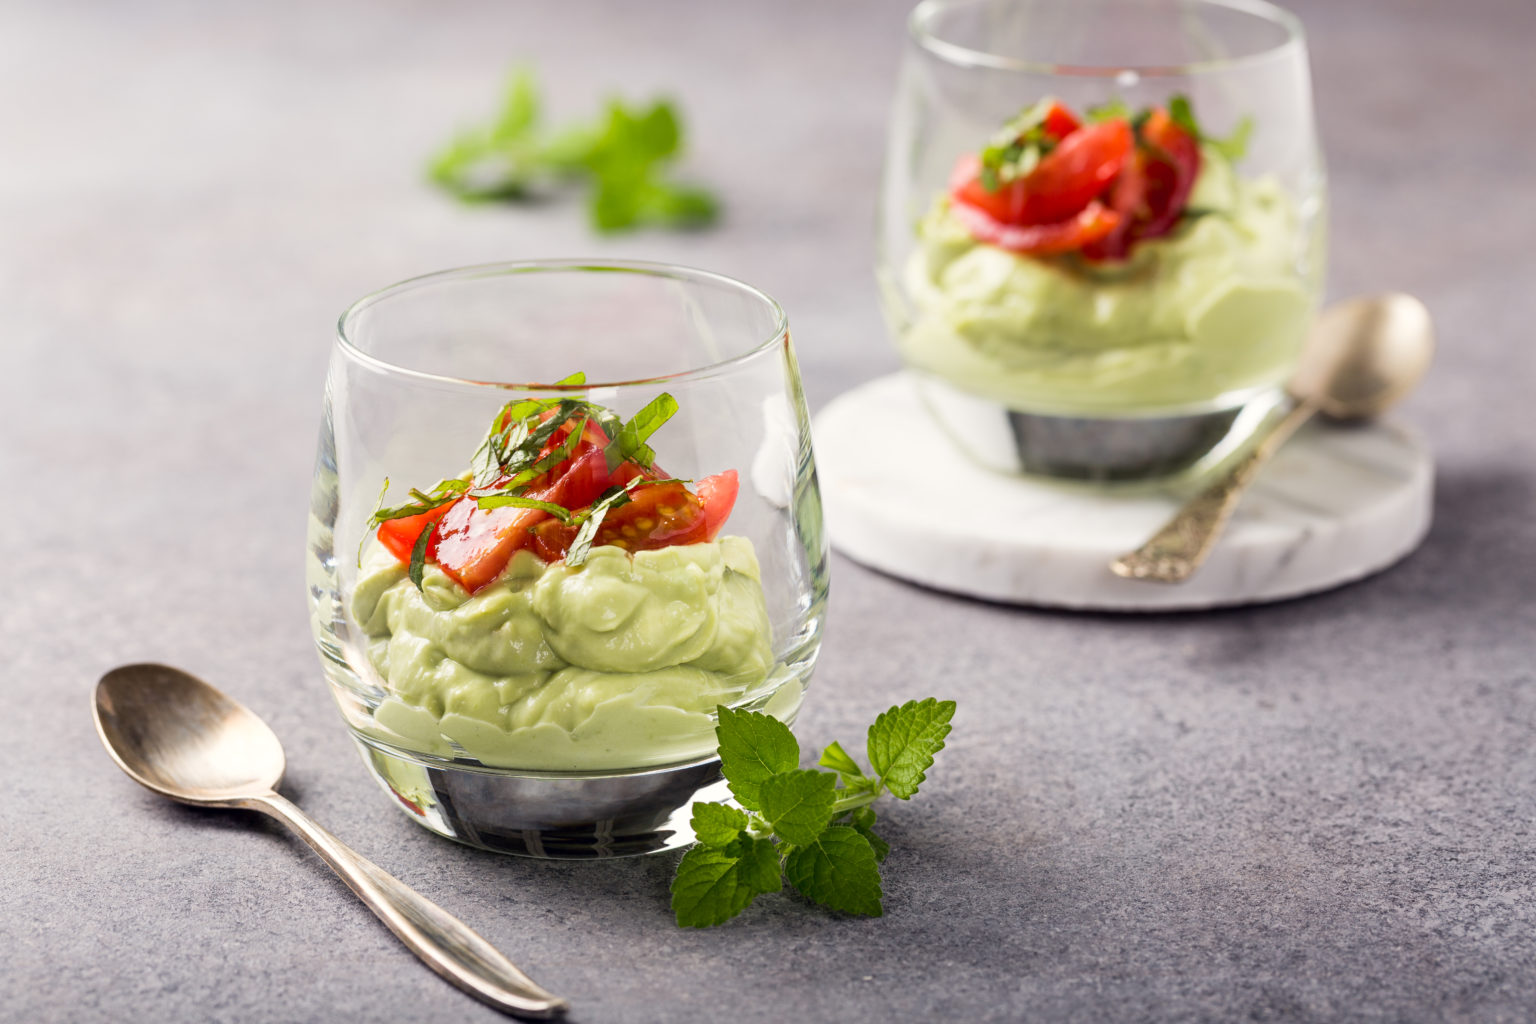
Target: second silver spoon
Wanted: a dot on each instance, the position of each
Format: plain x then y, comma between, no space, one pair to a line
1361,357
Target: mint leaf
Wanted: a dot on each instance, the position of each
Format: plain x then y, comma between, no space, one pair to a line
798,804
838,870
759,862
712,885
717,825
680,206
837,759
753,747
519,111
863,821
497,162
904,739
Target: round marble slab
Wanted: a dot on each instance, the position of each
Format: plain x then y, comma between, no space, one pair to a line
1336,504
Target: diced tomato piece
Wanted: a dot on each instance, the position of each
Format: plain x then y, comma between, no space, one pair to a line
718,495
1128,199
1060,122
656,516
1153,188
399,536
1172,164
1093,223
585,480
1101,189
475,544
1063,183
659,516
551,539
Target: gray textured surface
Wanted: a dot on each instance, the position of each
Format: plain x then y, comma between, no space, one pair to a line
1321,810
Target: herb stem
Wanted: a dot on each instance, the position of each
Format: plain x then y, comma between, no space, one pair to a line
853,801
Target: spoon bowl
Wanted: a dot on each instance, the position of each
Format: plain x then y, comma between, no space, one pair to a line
1362,356
173,733
180,737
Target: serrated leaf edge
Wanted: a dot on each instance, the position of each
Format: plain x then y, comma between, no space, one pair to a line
940,712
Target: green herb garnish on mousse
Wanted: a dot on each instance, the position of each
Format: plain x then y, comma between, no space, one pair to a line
565,604
1111,263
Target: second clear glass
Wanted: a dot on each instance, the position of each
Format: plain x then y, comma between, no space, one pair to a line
1129,368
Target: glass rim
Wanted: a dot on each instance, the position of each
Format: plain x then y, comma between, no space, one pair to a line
920,30
643,268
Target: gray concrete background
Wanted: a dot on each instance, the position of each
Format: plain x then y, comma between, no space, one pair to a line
1315,811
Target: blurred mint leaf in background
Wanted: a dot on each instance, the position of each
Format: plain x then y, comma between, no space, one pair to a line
623,158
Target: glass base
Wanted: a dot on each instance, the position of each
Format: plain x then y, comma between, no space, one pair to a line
1121,449
545,815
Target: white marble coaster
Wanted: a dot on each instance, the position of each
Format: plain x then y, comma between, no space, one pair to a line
1336,504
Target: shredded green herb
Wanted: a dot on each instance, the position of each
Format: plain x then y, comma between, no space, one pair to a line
1017,147
512,458
419,555
629,444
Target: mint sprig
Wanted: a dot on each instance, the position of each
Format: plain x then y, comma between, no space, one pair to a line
624,157
815,828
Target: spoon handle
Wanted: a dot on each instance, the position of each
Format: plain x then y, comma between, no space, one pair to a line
1174,552
447,944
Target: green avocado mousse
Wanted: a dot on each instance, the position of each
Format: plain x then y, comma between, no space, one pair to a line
1110,266
565,605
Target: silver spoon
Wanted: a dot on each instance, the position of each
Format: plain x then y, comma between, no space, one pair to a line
1361,357
180,737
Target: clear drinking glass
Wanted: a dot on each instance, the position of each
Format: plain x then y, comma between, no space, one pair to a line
564,712
1105,369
